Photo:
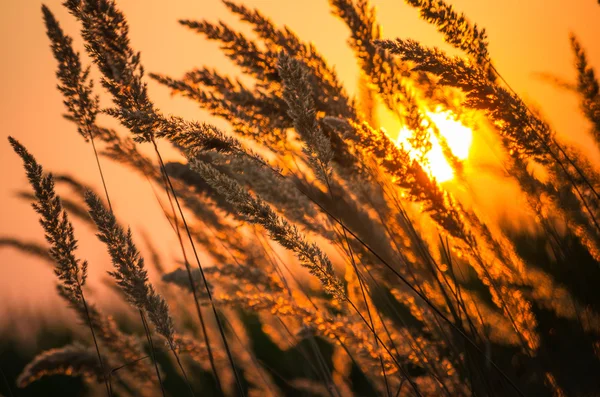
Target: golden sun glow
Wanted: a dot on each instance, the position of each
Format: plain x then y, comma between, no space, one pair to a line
457,135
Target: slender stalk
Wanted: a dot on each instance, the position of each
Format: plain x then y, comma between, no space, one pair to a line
192,283
409,285
101,172
361,284
364,296
87,313
308,298
142,316
208,292
152,351
112,371
579,171
59,233
187,381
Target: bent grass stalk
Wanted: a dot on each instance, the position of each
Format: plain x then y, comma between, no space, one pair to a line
169,186
305,165
59,233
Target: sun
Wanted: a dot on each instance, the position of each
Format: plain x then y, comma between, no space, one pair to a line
458,137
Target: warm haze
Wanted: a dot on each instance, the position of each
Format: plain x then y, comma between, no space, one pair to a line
528,41
526,38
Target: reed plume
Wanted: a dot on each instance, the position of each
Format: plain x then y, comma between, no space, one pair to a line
257,211
587,86
130,272
414,287
72,360
70,271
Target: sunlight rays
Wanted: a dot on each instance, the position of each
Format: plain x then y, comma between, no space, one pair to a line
458,137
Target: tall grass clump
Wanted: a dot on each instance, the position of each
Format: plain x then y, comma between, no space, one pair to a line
336,258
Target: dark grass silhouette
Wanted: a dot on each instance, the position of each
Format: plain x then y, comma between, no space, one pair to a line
413,290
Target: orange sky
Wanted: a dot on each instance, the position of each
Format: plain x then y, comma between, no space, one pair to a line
526,37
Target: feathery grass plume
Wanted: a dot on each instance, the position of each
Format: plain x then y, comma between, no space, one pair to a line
242,51
298,95
75,85
195,197
192,137
409,174
240,105
526,136
349,329
525,133
78,186
123,347
329,96
281,193
444,210
196,351
70,270
130,272
255,210
455,27
217,83
132,277
105,32
71,360
262,64
327,88
297,114
395,83
381,70
587,87
391,79
251,112
189,136
124,150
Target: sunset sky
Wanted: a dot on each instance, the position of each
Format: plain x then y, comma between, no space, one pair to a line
526,37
